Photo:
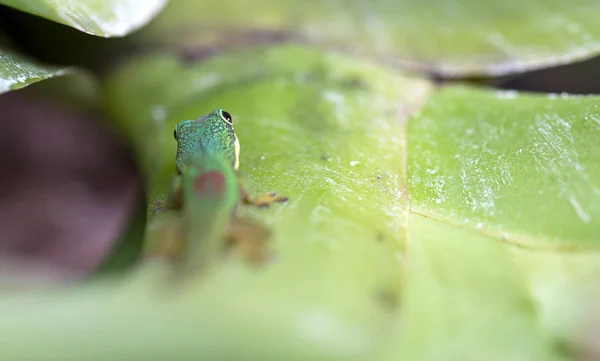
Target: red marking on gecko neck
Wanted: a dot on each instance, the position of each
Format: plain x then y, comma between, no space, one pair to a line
210,183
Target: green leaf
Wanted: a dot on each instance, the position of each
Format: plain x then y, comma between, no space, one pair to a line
523,168
453,38
128,249
470,297
466,300
503,228
479,165
389,248
102,18
325,131
331,294
17,71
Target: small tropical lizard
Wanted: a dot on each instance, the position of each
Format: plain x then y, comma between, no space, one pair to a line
208,190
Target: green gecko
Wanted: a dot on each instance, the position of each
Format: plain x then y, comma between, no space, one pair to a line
214,134
208,190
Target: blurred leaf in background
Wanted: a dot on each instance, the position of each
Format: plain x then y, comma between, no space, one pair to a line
17,71
96,17
449,38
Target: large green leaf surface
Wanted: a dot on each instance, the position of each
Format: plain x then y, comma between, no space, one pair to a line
524,168
299,115
465,299
504,227
453,38
96,17
488,270
469,296
429,224
332,291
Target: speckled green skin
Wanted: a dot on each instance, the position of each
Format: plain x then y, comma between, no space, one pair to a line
211,136
208,190
212,133
206,187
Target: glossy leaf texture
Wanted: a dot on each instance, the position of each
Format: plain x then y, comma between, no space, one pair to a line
523,168
97,17
504,227
451,38
18,71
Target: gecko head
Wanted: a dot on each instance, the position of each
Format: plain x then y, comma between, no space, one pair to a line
212,133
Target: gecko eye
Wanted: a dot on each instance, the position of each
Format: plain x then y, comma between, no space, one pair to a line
175,133
226,116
